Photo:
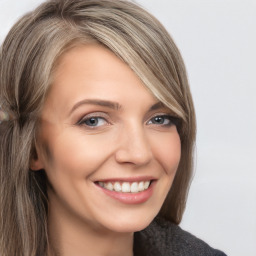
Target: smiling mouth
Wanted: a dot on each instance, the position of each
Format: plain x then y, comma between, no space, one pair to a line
125,187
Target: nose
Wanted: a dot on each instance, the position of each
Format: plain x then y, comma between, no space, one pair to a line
133,147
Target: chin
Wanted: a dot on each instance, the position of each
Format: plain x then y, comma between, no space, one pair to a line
131,224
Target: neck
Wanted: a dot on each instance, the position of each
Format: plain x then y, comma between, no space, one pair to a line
71,236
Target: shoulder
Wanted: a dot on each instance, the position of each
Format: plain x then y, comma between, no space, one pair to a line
162,237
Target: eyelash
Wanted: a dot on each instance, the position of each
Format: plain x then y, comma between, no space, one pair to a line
170,120
91,117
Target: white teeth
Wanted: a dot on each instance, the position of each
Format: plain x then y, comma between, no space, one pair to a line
141,186
134,187
101,184
109,186
117,186
146,184
125,187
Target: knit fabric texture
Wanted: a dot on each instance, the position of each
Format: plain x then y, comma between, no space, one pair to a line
163,238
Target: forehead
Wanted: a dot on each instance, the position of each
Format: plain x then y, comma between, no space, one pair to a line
91,64
93,59
94,72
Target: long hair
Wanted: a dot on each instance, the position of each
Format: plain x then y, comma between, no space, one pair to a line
28,58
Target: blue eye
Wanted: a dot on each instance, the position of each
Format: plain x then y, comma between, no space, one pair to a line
163,120
94,121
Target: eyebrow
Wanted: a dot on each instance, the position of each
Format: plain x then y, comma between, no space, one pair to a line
156,106
104,103
110,104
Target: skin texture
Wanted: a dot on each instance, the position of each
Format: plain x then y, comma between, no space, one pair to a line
126,142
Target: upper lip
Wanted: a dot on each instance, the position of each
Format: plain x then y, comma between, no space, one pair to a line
128,179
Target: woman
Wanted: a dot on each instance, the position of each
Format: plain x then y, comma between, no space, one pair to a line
97,134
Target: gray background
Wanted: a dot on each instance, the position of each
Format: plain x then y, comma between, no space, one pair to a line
217,39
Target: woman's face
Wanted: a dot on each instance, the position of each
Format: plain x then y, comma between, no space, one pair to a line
109,147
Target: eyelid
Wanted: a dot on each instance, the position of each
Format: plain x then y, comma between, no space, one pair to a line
171,115
173,119
94,114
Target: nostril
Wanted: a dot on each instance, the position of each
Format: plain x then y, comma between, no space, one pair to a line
133,146
133,156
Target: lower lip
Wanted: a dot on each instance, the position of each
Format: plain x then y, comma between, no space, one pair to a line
131,198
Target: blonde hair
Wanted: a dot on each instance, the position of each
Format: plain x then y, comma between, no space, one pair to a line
28,58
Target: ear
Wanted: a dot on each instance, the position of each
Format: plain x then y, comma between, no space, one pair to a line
36,165
36,162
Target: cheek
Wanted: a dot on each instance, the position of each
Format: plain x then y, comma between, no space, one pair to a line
167,151
76,154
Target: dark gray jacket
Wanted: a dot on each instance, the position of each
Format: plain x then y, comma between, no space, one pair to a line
163,238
